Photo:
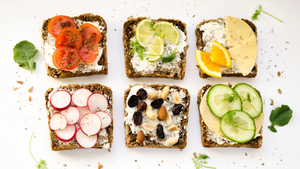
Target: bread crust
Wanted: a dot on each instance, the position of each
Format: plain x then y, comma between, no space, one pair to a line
200,45
206,142
59,73
129,31
131,139
55,143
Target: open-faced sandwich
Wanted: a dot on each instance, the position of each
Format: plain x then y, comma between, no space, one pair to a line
156,116
230,115
226,47
155,48
75,46
80,116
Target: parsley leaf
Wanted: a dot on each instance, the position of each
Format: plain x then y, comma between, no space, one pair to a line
199,161
137,48
230,97
280,117
259,10
42,163
169,58
24,54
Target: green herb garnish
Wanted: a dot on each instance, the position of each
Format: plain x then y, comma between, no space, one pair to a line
169,58
248,99
24,54
40,164
235,122
200,161
230,97
280,117
257,12
136,47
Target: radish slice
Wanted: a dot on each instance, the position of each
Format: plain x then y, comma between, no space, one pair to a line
97,102
60,100
83,111
66,134
58,122
80,97
72,114
90,124
84,140
105,119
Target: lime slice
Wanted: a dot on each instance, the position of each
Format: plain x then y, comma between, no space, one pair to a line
143,32
167,31
155,49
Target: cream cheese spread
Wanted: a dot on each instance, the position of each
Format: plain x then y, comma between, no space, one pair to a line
49,48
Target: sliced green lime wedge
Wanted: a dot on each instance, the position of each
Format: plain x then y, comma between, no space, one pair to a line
167,31
155,49
143,32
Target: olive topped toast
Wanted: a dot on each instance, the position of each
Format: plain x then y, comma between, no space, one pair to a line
155,48
230,115
156,116
75,46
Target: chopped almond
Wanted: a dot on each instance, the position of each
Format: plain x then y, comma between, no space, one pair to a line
30,89
20,82
29,98
100,166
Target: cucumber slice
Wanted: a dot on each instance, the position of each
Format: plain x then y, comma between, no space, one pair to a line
221,99
252,102
238,126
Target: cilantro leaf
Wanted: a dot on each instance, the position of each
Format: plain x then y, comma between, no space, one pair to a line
259,10
169,58
40,164
199,161
24,54
137,48
280,117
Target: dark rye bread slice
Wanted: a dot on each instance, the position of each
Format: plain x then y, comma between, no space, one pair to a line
131,138
200,45
55,143
59,73
207,142
129,32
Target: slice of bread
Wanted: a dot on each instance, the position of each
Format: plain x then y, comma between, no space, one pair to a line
200,43
105,136
206,132
59,73
160,71
151,139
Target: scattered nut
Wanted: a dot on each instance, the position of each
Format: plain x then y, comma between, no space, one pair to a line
168,118
150,114
148,126
29,98
142,106
162,113
140,137
176,98
171,141
272,102
100,166
153,95
15,88
20,82
30,89
279,91
173,128
141,94
164,93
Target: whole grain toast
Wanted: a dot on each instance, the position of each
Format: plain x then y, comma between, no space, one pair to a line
200,45
59,73
207,142
129,32
55,143
131,137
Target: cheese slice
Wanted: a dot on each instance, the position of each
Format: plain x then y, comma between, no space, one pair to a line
237,31
244,55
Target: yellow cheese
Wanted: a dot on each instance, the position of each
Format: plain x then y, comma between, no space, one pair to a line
237,31
244,55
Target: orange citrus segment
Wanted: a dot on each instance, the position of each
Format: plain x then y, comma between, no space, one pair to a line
220,55
205,63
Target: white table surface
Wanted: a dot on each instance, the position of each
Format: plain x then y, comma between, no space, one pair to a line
278,44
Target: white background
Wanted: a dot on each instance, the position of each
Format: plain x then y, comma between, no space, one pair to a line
278,46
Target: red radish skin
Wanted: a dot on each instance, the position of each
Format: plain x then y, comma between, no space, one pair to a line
72,114
105,119
97,102
60,100
83,111
58,122
66,134
85,141
80,97
90,124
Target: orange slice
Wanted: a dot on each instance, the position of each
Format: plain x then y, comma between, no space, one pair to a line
205,63
220,55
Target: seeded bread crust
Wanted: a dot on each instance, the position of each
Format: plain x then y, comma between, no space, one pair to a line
206,142
56,144
131,139
200,45
129,31
59,73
